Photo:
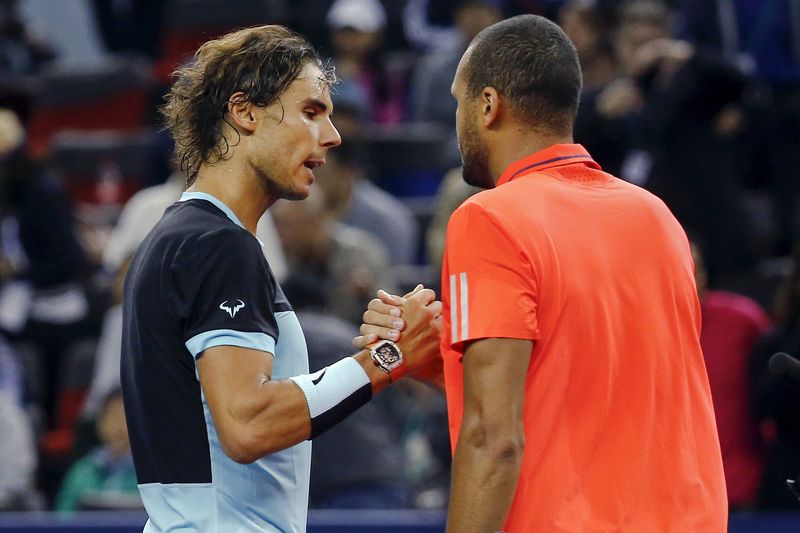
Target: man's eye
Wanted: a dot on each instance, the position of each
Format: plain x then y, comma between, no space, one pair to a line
310,113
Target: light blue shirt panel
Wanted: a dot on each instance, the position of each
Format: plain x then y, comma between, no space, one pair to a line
214,200
179,507
269,495
291,352
255,340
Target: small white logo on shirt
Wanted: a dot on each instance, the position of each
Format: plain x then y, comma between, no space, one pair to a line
231,309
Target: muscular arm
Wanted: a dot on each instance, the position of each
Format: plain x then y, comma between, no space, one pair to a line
253,414
491,442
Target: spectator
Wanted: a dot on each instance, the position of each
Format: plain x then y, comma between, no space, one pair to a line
131,26
430,89
431,100
356,28
608,118
105,378
18,453
422,31
43,297
452,193
732,324
763,38
21,52
104,479
776,400
692,122
332,266
70,27
589,31
356,201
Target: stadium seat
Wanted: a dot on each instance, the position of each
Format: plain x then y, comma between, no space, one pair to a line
104,168
407,159
114,95
190,23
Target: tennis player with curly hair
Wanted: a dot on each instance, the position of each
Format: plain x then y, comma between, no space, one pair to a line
218,396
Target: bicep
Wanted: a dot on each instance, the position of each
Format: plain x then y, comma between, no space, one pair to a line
230,376
495,370
253,414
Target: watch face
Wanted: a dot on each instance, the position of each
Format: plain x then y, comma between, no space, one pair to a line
388,354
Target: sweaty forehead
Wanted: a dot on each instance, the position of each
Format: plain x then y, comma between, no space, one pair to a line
310,84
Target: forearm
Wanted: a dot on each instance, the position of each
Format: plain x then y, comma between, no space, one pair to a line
484,482
278,414
491,442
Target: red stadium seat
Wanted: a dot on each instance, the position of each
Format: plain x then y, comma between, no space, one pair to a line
104,168
113,96
190,23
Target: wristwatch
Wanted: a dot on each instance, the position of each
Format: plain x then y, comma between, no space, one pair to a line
388,357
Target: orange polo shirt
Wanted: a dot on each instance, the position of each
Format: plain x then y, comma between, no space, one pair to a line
619,424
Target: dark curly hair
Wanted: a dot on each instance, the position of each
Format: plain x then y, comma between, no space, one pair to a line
261,62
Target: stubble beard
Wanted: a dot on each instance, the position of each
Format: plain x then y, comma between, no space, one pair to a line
277,189
474,159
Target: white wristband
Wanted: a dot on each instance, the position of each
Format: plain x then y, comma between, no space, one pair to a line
334,392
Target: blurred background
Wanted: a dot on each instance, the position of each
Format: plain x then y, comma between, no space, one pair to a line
697,101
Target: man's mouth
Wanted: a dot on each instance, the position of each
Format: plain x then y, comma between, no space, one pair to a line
312,164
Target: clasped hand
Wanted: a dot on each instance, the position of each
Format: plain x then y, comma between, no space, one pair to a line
414,322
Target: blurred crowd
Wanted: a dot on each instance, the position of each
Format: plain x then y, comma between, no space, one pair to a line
696,101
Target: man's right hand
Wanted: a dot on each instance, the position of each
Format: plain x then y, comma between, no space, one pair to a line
413,321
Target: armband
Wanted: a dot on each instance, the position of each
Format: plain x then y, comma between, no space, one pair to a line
334,392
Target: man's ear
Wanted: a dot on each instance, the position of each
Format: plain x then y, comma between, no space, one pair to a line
240,109
490,106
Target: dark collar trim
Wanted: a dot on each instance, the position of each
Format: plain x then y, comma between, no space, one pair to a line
547,162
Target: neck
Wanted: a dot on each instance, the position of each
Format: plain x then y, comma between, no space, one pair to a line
517,144
237,187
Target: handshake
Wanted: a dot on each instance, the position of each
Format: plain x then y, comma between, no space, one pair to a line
414,323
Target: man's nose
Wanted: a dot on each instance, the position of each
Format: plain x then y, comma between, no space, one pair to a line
330,136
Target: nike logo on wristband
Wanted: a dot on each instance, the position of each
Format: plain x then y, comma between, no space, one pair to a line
316,381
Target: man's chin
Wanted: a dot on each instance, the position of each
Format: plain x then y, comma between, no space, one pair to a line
477,178
294,196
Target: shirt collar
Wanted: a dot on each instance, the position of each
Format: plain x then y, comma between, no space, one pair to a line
218,204
552,156
214,200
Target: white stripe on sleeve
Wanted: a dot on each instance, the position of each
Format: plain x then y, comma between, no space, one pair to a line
453,309
464,307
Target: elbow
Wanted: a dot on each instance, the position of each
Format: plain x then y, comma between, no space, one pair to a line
510,450
507,450
239,452
502,444
241,447
241,457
